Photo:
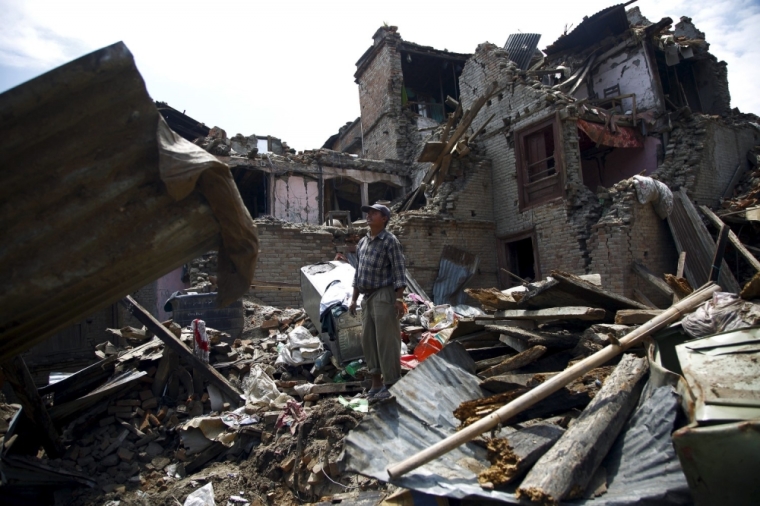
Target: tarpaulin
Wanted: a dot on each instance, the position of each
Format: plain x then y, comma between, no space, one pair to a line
625,137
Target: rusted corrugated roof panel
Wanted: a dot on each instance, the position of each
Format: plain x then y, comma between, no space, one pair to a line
609,21
85,215
521,47
454,271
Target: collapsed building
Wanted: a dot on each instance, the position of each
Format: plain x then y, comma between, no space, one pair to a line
509,163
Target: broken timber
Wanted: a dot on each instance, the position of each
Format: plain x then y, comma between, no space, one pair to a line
749,257
564,289
172,342
513,455
512,363
635,316
17,374
652,279
562,342
557,382
566,469
552,313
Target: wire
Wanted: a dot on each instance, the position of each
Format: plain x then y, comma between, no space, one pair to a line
342,485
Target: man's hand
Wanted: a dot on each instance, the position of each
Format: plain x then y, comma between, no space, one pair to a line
352,307
400,309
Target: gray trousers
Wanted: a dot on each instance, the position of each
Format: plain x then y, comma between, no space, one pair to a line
381,334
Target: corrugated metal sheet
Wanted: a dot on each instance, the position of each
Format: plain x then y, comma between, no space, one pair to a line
454,271
642,467
609,21
691,235
85,216
521,47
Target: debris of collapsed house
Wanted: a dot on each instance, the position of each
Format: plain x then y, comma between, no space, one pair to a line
612,160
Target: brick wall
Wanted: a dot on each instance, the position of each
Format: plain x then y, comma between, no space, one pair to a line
724,148
284,249
380,83
423,237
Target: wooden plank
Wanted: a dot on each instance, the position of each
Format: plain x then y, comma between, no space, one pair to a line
691,235
171,341
636,316
514,454
516,362
562,342
652,279
507,382
681,264
432,149
565,289
553,313
749,257
482,365
166,366
565,470
17,374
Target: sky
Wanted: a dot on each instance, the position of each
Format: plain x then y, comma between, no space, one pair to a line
286,68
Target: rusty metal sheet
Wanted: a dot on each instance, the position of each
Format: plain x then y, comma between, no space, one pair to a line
625,137
723,374
607,22
85,213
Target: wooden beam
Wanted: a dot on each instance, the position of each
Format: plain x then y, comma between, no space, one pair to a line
17,374
517,452
567,468
731,237
172,342
516,362
681,264
552,313
562,342
636,316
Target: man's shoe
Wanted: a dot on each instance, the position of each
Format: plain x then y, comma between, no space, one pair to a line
382,395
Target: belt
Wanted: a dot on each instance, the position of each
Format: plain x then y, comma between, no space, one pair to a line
371,290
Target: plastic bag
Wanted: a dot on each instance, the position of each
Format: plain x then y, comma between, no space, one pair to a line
261,391
724,312
301,338
204,496
656,192
438,318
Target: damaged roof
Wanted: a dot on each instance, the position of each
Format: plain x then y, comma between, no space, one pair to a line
607,22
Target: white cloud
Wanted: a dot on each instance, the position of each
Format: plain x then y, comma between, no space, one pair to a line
286,68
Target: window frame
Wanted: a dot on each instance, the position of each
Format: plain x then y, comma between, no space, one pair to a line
521,162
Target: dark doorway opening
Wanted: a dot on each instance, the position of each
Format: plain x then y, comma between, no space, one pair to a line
381,191
343,194
253,186
517,256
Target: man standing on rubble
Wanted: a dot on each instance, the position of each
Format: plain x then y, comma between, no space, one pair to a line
380,278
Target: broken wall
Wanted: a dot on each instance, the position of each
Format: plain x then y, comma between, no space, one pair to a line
424,235
630,232
561,226
296,199
628,67
380,81
284,250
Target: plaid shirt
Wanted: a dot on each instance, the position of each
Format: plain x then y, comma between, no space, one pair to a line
381,263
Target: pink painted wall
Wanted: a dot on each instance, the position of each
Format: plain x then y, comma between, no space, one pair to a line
165,286
620,164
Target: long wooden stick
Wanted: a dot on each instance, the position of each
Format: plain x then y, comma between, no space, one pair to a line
552,385
731,237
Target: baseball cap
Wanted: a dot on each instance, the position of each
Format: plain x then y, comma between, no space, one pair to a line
378,207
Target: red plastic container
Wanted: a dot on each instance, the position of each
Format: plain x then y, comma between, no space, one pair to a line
429,345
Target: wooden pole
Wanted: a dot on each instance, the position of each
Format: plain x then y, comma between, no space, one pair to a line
178,347
552,385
